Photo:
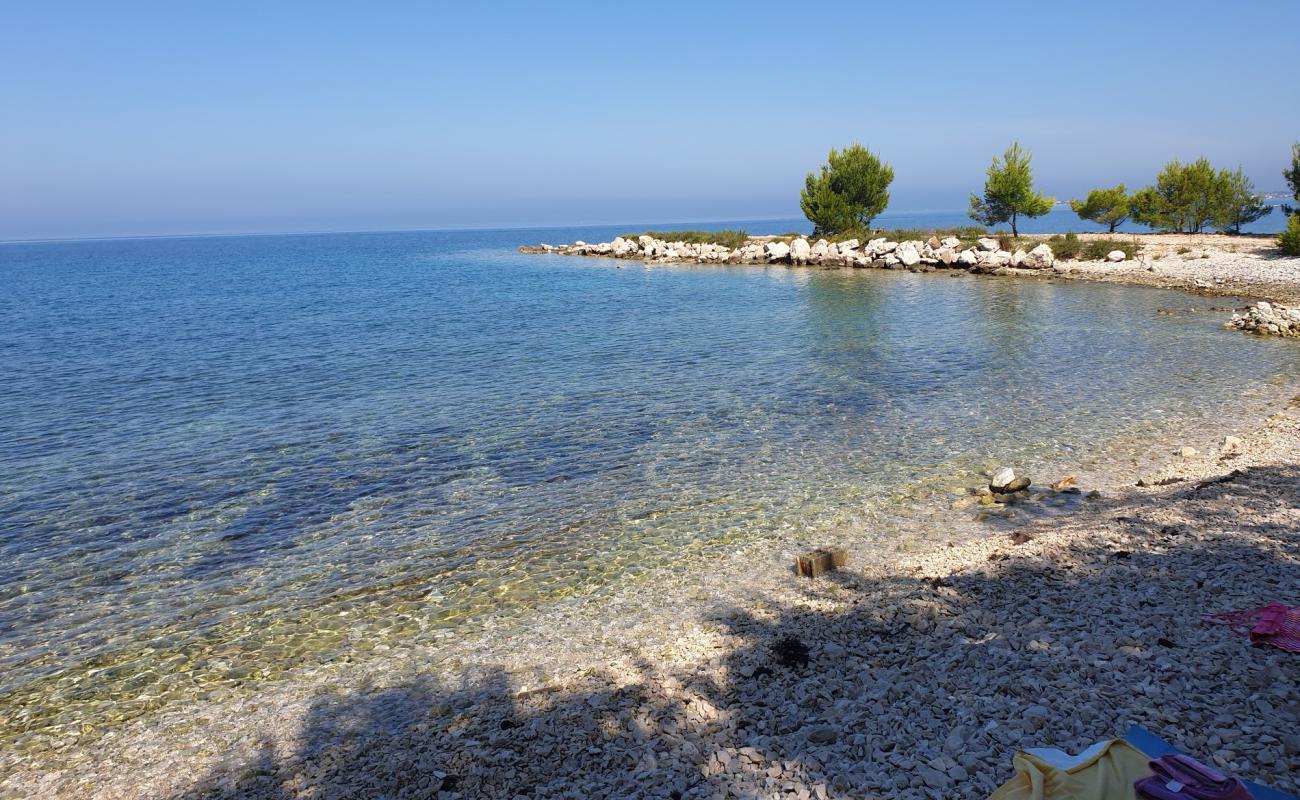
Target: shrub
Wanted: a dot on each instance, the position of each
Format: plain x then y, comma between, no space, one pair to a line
858,232
1182,250
1289,239
849,191
731,239
1067,246
966,234
1098,249
971,232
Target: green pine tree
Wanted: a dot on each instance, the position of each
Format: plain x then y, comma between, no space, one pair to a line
1009,192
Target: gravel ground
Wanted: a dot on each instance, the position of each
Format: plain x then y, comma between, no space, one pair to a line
911,677
1243,266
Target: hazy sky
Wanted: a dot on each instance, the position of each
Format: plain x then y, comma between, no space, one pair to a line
136,118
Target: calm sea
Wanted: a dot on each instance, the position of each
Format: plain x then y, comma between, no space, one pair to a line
223,457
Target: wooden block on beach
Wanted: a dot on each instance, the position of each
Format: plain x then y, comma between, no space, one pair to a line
820,561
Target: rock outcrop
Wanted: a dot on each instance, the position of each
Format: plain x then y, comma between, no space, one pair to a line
1266,319
918,256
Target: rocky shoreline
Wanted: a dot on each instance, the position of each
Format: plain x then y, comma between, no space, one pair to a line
985,256
1209,264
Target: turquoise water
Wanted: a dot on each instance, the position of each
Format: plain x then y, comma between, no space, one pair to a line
221,458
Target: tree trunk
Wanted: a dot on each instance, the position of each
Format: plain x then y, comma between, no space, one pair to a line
1014,234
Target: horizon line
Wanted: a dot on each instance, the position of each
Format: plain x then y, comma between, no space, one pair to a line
451,229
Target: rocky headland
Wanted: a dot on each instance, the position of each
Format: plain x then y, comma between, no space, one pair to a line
985,255
1208,264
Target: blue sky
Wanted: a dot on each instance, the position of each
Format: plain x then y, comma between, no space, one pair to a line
139,118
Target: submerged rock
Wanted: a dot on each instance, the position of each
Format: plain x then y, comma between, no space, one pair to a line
1018,485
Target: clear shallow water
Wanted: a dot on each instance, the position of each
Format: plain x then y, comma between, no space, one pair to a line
224,457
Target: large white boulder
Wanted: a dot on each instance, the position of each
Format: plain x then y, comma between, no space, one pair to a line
799,250
908,254
947,255
988,245
969,257
777,251
1040,257
1116,256
950,241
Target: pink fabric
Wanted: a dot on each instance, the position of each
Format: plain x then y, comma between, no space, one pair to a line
1180,777
1273,624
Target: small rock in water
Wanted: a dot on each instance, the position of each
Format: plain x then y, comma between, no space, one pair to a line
1064,483
1001,479
1018,485
820,561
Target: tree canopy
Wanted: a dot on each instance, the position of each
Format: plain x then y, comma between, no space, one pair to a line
1239,203
1289,240
1109,207
1188,198
1185,198
1009,192
1292,175
850,190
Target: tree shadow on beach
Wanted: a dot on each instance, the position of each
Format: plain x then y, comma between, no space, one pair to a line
896,685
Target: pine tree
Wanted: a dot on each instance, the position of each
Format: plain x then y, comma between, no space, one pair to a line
1109,207
1009,192
849,191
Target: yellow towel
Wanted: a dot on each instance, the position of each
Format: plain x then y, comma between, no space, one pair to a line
1105,771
